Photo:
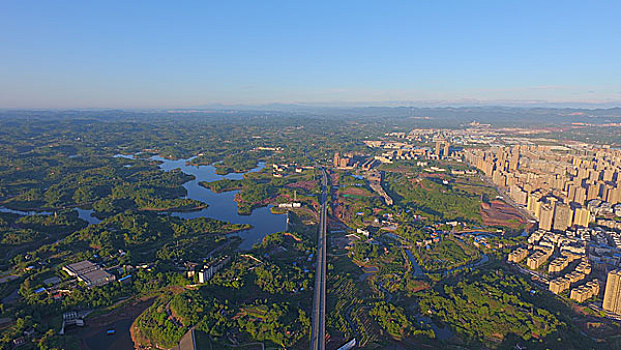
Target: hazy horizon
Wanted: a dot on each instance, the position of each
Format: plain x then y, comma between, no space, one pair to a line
344,105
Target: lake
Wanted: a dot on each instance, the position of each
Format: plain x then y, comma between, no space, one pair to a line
222,206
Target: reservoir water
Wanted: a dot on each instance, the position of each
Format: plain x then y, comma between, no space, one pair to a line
87,215
20,212
84,214
222,206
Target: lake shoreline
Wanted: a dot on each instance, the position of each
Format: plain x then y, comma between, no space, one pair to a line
178,209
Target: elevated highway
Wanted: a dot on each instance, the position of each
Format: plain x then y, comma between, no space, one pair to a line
318,330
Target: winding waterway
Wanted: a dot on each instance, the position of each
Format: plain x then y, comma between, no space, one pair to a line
84,214
20,212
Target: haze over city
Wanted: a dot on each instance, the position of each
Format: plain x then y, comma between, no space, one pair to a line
118,54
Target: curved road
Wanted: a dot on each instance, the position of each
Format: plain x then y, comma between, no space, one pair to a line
318,330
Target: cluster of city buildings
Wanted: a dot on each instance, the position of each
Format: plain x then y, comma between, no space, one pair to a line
396,150
473,134
568,250
573,192
585,292
561,187
571,257
449,142
602,247
563,283
410,153
607,214
352,160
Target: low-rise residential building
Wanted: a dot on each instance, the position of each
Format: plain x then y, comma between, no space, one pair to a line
584,267
573,248
575,276
557,265
558,285
585,292
518,255
538,258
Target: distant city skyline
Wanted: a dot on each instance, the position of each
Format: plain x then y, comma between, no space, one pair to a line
73,54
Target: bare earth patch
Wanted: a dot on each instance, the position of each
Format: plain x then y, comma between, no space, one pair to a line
306,185
499,213
356,191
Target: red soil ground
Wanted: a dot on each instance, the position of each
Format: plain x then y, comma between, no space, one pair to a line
355,191
306,185
499,213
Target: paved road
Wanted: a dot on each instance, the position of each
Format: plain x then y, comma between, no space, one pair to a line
318,330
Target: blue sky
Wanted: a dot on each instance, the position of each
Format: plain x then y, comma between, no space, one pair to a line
71,54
